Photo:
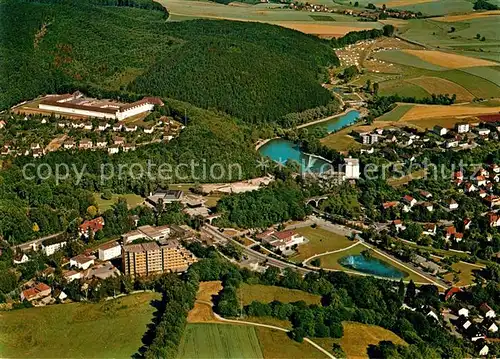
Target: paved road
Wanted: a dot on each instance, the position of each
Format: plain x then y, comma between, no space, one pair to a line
250,253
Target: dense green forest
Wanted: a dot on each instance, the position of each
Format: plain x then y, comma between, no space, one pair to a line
256,72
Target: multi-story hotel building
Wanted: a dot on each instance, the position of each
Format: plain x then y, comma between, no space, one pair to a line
149,258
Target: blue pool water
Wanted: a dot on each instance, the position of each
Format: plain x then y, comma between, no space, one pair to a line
281,150
338,123
373,266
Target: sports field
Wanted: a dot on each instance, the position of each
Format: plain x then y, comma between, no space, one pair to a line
219,341
358,337
247,293
112,329
103,205
320,240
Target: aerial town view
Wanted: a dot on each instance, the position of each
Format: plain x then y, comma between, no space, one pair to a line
250,179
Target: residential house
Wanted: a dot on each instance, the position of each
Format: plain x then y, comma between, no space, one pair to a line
426,194
118,141
463,312
87,126
483,349
495,168
149,129
441,131
38,291
430,229
103,126
398,225
2,124
52,245
101,143
449,232
493,219
117,126
483,132
85,144
469,188
37,153
450,293
474,333
458,237
451,143
432,315
487,311
480,180
20,258
35,146
490,325
128,147
428,206
409,202
387,205
467,223
462,127
109,251
71,275
130,128
451,204
492,201
93,225
81,261
69,144
113,149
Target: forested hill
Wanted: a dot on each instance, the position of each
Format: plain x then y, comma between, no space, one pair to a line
254,71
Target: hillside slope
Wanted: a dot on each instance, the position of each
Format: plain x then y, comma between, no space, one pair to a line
256,72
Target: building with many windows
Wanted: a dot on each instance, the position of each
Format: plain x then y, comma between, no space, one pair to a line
149,258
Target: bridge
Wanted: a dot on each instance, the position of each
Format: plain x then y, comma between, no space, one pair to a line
317,199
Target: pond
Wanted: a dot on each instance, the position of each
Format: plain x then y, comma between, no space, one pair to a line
371,265
280,150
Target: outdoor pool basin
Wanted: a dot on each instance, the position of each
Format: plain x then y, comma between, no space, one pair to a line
372,266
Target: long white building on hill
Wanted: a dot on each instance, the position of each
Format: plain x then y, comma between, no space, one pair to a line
77,104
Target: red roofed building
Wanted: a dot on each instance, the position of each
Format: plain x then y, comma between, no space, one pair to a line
449,231
41,290
284,240
94,225
451,292
387,205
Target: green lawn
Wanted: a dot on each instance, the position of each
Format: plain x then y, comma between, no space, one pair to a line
466,275
103,205
320,240
112,329
247,293
396,114
219,341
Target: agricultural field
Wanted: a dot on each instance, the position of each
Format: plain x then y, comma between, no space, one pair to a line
422,112
458,33
427,7
219,341
402,88
436,85
113,329
103,205
395,114
320,241
331,25
247,293
358,337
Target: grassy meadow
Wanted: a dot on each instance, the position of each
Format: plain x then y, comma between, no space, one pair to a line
358,337
248,293
103,205
113,329
320,240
